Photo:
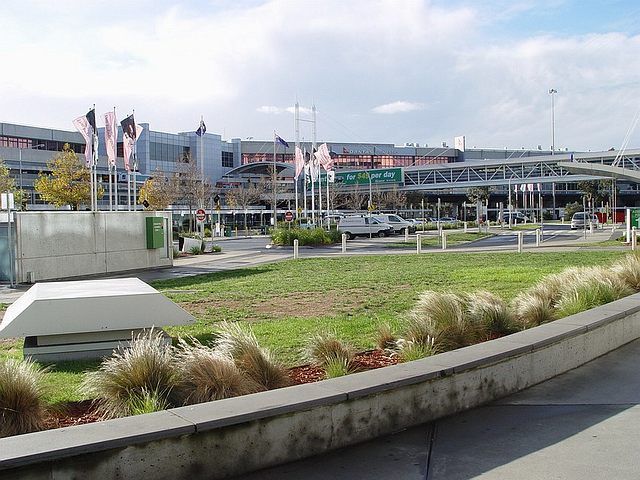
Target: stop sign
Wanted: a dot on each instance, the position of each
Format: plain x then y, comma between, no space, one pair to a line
288,216
200,215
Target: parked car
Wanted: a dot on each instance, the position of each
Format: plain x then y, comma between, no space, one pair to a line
355,225
584,219
448,220
516,217
398,223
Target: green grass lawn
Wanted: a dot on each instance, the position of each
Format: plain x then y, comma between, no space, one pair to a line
433,240
286,302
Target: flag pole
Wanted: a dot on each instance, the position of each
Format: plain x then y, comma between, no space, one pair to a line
296,126
273,183
109,164
94,163
135,162
115,163
304,183
202,169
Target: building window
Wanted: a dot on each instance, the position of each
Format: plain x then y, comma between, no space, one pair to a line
227,159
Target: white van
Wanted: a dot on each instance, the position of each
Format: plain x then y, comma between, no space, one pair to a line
398,223
355,225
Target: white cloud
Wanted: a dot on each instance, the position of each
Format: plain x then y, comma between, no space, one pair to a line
398,107
221,58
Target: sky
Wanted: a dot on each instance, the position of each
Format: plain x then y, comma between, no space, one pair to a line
378,71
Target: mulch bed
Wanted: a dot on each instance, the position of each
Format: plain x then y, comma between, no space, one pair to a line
78,413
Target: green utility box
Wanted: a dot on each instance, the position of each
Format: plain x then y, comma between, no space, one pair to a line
155,232
635,217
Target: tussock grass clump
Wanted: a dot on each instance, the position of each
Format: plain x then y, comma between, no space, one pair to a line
22,408
628,270
532,309
259,364
489,312
326,350
411,350
597,287
385,338
143,374
441,316
206,375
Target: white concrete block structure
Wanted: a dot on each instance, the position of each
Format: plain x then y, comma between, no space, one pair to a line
87,319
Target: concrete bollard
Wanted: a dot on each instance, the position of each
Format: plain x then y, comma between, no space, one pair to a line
591,228
465,226
295,249
444,240
538,237
344,243
634,239
406,235
418,244
520,241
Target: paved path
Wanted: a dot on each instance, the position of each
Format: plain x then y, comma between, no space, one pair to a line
583,425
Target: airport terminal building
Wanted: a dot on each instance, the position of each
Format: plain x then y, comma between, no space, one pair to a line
432,171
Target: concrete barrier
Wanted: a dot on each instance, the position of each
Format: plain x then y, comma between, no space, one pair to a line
234,436
52,245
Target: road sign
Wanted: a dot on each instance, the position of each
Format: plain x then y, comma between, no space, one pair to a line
288,216
200,215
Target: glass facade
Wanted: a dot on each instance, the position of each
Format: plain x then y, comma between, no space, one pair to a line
50,145
227,159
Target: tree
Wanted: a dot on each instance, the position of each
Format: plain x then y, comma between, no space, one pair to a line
159,191
596,191
354,198
244,195
478,194
193,189
8,184
68,183
392,199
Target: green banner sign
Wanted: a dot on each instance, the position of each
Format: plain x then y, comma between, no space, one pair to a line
361,177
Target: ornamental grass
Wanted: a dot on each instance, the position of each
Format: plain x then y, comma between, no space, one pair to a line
239,343
22,408
143,374
207,375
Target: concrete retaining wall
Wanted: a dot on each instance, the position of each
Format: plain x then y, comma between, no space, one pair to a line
233,436
55,245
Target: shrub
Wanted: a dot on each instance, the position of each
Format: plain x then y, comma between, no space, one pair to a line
257,363
628,270
441,316
489,312
195,250
206,375
326,350
216,248
22,407
143,372
309,237
176,252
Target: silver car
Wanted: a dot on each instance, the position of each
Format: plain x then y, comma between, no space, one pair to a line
584,219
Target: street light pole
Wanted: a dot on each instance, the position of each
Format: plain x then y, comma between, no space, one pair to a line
553,92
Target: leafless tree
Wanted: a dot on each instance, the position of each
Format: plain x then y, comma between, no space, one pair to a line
193,190
245,194
354,198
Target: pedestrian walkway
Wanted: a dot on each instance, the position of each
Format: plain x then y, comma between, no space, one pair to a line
580,425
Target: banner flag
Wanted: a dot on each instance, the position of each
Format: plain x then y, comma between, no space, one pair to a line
299,163
128,139
111,137
325,157
201,129
84,127
281,141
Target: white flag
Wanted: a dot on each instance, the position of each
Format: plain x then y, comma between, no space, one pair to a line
299,163
110,137
324,157
83,126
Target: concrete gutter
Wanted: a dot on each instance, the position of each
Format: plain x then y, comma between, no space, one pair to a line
234,436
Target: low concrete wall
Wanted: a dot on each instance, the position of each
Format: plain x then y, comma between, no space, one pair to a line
54,245
234,436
